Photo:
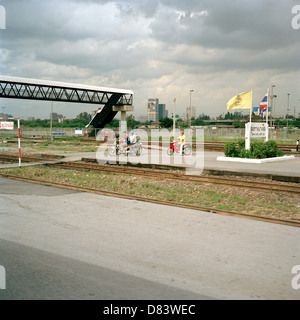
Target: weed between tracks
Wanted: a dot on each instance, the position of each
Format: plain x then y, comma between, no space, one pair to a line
272,204
30,147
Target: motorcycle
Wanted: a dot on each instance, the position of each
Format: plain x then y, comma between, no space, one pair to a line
132,150
136,149
175,147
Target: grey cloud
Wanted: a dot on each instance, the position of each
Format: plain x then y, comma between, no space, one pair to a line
234,24
147,8
150,44
246,34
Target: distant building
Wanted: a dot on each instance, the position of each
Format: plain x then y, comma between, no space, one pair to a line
142,118
190,113
5,115
162,112
238,114
31,118
56,116
61,120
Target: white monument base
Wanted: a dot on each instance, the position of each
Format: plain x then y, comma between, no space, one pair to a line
246,160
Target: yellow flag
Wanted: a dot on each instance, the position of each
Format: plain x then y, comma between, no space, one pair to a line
240,101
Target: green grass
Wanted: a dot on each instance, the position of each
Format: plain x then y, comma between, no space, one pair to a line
212,196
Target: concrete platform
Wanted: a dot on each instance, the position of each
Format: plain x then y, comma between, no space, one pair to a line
255,161
289,167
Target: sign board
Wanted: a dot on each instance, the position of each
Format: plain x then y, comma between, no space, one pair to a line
256,130
153,106
78,131
6,125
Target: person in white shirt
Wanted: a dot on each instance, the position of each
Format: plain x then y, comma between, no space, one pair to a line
132,138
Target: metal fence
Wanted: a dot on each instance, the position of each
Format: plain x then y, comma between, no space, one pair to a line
237,133
209,133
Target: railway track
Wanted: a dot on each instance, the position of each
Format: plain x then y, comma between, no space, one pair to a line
13,158
216,146
154,174
292,223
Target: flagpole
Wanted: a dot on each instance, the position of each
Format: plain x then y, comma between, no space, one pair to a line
241,101
267,118
248,129
251,107
174,118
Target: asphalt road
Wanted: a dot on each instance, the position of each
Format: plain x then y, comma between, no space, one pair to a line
60,244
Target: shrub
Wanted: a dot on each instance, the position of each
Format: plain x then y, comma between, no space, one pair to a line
241,144
272,149
245,153
258,150
280,153
230,150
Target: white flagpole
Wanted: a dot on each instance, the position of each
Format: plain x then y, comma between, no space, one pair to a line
248,130
174,118
267,118
251,106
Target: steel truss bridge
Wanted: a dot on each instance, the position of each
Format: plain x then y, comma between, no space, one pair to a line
33,89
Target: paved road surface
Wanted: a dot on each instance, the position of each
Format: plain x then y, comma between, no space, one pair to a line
60,244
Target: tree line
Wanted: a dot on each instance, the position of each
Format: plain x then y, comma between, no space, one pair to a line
84,118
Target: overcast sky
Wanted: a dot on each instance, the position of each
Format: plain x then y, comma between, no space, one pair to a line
157,48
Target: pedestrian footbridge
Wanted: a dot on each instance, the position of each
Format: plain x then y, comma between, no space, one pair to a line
113,100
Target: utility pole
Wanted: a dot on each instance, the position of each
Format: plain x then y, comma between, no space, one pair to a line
174,118
51,119
287,111
272,96
274,114
190,115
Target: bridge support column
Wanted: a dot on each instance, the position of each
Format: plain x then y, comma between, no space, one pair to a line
123,110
